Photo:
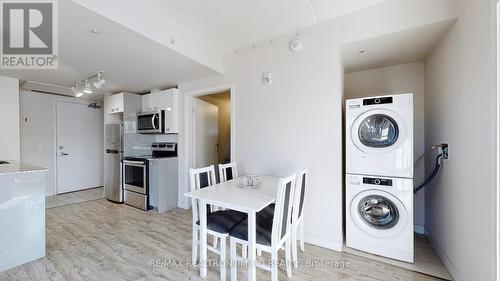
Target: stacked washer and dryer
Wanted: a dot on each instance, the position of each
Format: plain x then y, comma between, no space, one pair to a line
379,179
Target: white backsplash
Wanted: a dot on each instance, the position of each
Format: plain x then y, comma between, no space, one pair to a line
135,144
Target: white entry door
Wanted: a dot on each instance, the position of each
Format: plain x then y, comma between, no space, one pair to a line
79,147
206,133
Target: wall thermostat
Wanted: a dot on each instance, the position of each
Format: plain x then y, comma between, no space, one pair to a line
267,78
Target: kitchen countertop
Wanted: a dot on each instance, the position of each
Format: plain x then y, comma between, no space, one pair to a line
161,158
149,157
15,167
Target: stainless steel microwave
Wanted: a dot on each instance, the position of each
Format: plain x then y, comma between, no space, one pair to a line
151,122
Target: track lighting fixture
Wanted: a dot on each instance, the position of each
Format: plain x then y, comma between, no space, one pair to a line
84,86
76,91
99,82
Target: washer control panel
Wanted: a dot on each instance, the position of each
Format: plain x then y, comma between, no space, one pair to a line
377,181
375,101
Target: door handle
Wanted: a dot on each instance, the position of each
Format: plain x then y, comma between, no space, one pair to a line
63,154
153,121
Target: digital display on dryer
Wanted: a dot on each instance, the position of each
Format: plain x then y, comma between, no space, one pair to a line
376,101
377,181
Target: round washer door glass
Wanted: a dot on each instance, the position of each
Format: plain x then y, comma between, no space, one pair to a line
378,130
378,212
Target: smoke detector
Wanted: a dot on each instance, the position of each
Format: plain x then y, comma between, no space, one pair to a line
296,45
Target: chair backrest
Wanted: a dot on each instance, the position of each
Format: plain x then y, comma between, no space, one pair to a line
227,172
283,208
200,178
300,192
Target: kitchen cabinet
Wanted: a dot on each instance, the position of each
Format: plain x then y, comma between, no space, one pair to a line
163,184
126,103
167,100
116,103
22,214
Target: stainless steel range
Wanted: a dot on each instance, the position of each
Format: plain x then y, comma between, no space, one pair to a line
136,174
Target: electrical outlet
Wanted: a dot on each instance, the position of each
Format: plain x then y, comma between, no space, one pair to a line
444,150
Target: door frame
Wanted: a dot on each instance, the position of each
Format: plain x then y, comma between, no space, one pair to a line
54,112
188,138
495,147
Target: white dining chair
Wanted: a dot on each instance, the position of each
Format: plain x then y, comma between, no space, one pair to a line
272,233
298,213
219,222
227,172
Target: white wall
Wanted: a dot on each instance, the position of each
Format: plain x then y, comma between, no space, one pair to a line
407,78
459,102
38,119
293,123
9,119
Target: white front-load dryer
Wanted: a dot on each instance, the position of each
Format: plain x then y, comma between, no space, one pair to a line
379,215
379,136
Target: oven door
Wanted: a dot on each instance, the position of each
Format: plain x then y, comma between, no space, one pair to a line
135,176
150,123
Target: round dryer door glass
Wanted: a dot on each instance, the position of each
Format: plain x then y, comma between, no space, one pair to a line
378,212
378,130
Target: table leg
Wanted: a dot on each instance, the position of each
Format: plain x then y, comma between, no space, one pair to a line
252,239
203,239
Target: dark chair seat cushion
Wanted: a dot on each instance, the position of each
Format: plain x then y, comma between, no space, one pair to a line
264,229
223,221
268,212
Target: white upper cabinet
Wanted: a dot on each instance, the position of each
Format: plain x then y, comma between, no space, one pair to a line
116,103
126,103
167,100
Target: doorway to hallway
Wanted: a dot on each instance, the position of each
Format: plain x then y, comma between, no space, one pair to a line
212,129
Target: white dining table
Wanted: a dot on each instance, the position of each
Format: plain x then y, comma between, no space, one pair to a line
230,195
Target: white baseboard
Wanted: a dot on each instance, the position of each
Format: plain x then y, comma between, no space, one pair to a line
322,242
420,229
455,273
183,204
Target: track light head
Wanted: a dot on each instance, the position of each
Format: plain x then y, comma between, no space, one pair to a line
100,82
86,88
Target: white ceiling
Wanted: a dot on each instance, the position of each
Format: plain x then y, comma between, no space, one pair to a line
240,23
133,62
402,47
130,61
327,9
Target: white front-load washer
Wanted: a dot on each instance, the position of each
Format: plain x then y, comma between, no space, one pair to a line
379,215
379,136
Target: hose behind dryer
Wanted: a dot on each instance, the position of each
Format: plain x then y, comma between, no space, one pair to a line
442,155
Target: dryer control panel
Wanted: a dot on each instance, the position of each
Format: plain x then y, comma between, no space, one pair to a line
377,181
375,101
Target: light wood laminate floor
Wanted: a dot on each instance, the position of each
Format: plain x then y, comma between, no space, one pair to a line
74,197
426,259
100,240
